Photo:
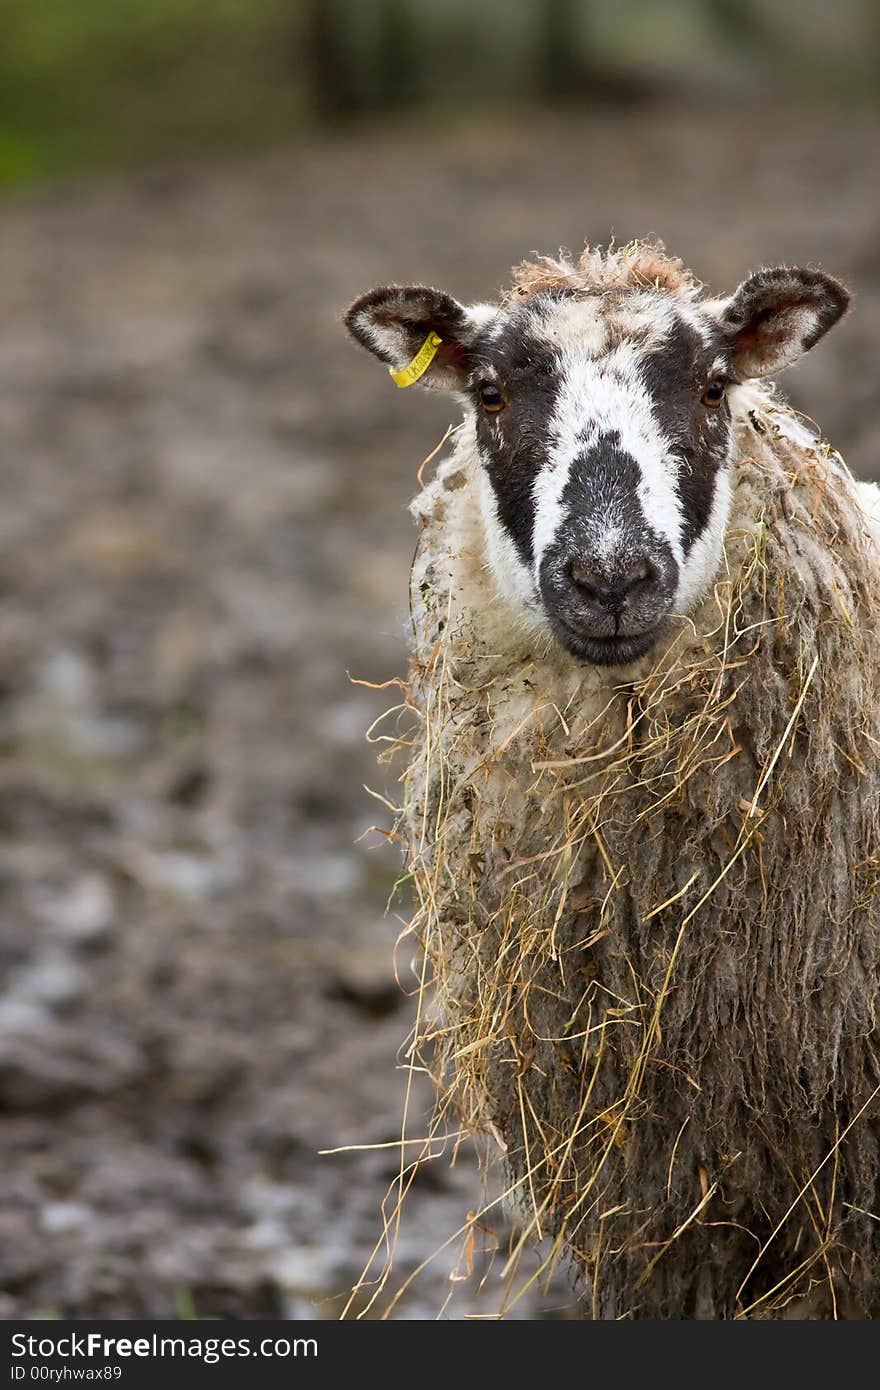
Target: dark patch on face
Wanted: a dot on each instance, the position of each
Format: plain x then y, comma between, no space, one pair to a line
607,473
514,442
675,374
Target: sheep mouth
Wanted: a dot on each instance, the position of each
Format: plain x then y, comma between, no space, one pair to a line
606,651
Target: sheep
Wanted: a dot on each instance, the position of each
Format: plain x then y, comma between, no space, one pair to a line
642,805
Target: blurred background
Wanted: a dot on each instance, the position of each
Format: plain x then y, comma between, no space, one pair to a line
203,531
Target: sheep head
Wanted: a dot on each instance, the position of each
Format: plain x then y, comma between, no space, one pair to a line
603,396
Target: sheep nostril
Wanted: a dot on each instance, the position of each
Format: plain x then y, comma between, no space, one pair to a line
584,578
639,573
610,589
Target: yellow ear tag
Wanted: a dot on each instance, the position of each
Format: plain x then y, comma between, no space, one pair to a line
409,375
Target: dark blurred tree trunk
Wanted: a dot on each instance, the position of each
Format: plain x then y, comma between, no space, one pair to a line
567,65
336,91
400,65
561,70
741,25
350,78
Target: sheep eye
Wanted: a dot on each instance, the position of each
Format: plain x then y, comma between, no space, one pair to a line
491,397
714,393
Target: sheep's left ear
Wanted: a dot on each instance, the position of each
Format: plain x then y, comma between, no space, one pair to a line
400,324
777,315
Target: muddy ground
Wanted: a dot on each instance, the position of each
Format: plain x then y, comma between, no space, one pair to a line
203,529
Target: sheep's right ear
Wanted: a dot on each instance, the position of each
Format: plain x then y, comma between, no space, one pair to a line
401,325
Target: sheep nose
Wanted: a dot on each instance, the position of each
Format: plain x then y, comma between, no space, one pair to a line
611,590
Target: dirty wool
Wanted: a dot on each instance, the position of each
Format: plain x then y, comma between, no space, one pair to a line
649,902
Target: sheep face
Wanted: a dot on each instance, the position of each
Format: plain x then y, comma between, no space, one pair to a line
604,429
607,463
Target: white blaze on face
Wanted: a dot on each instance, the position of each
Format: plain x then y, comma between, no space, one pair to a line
601,393
695,576
511,576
